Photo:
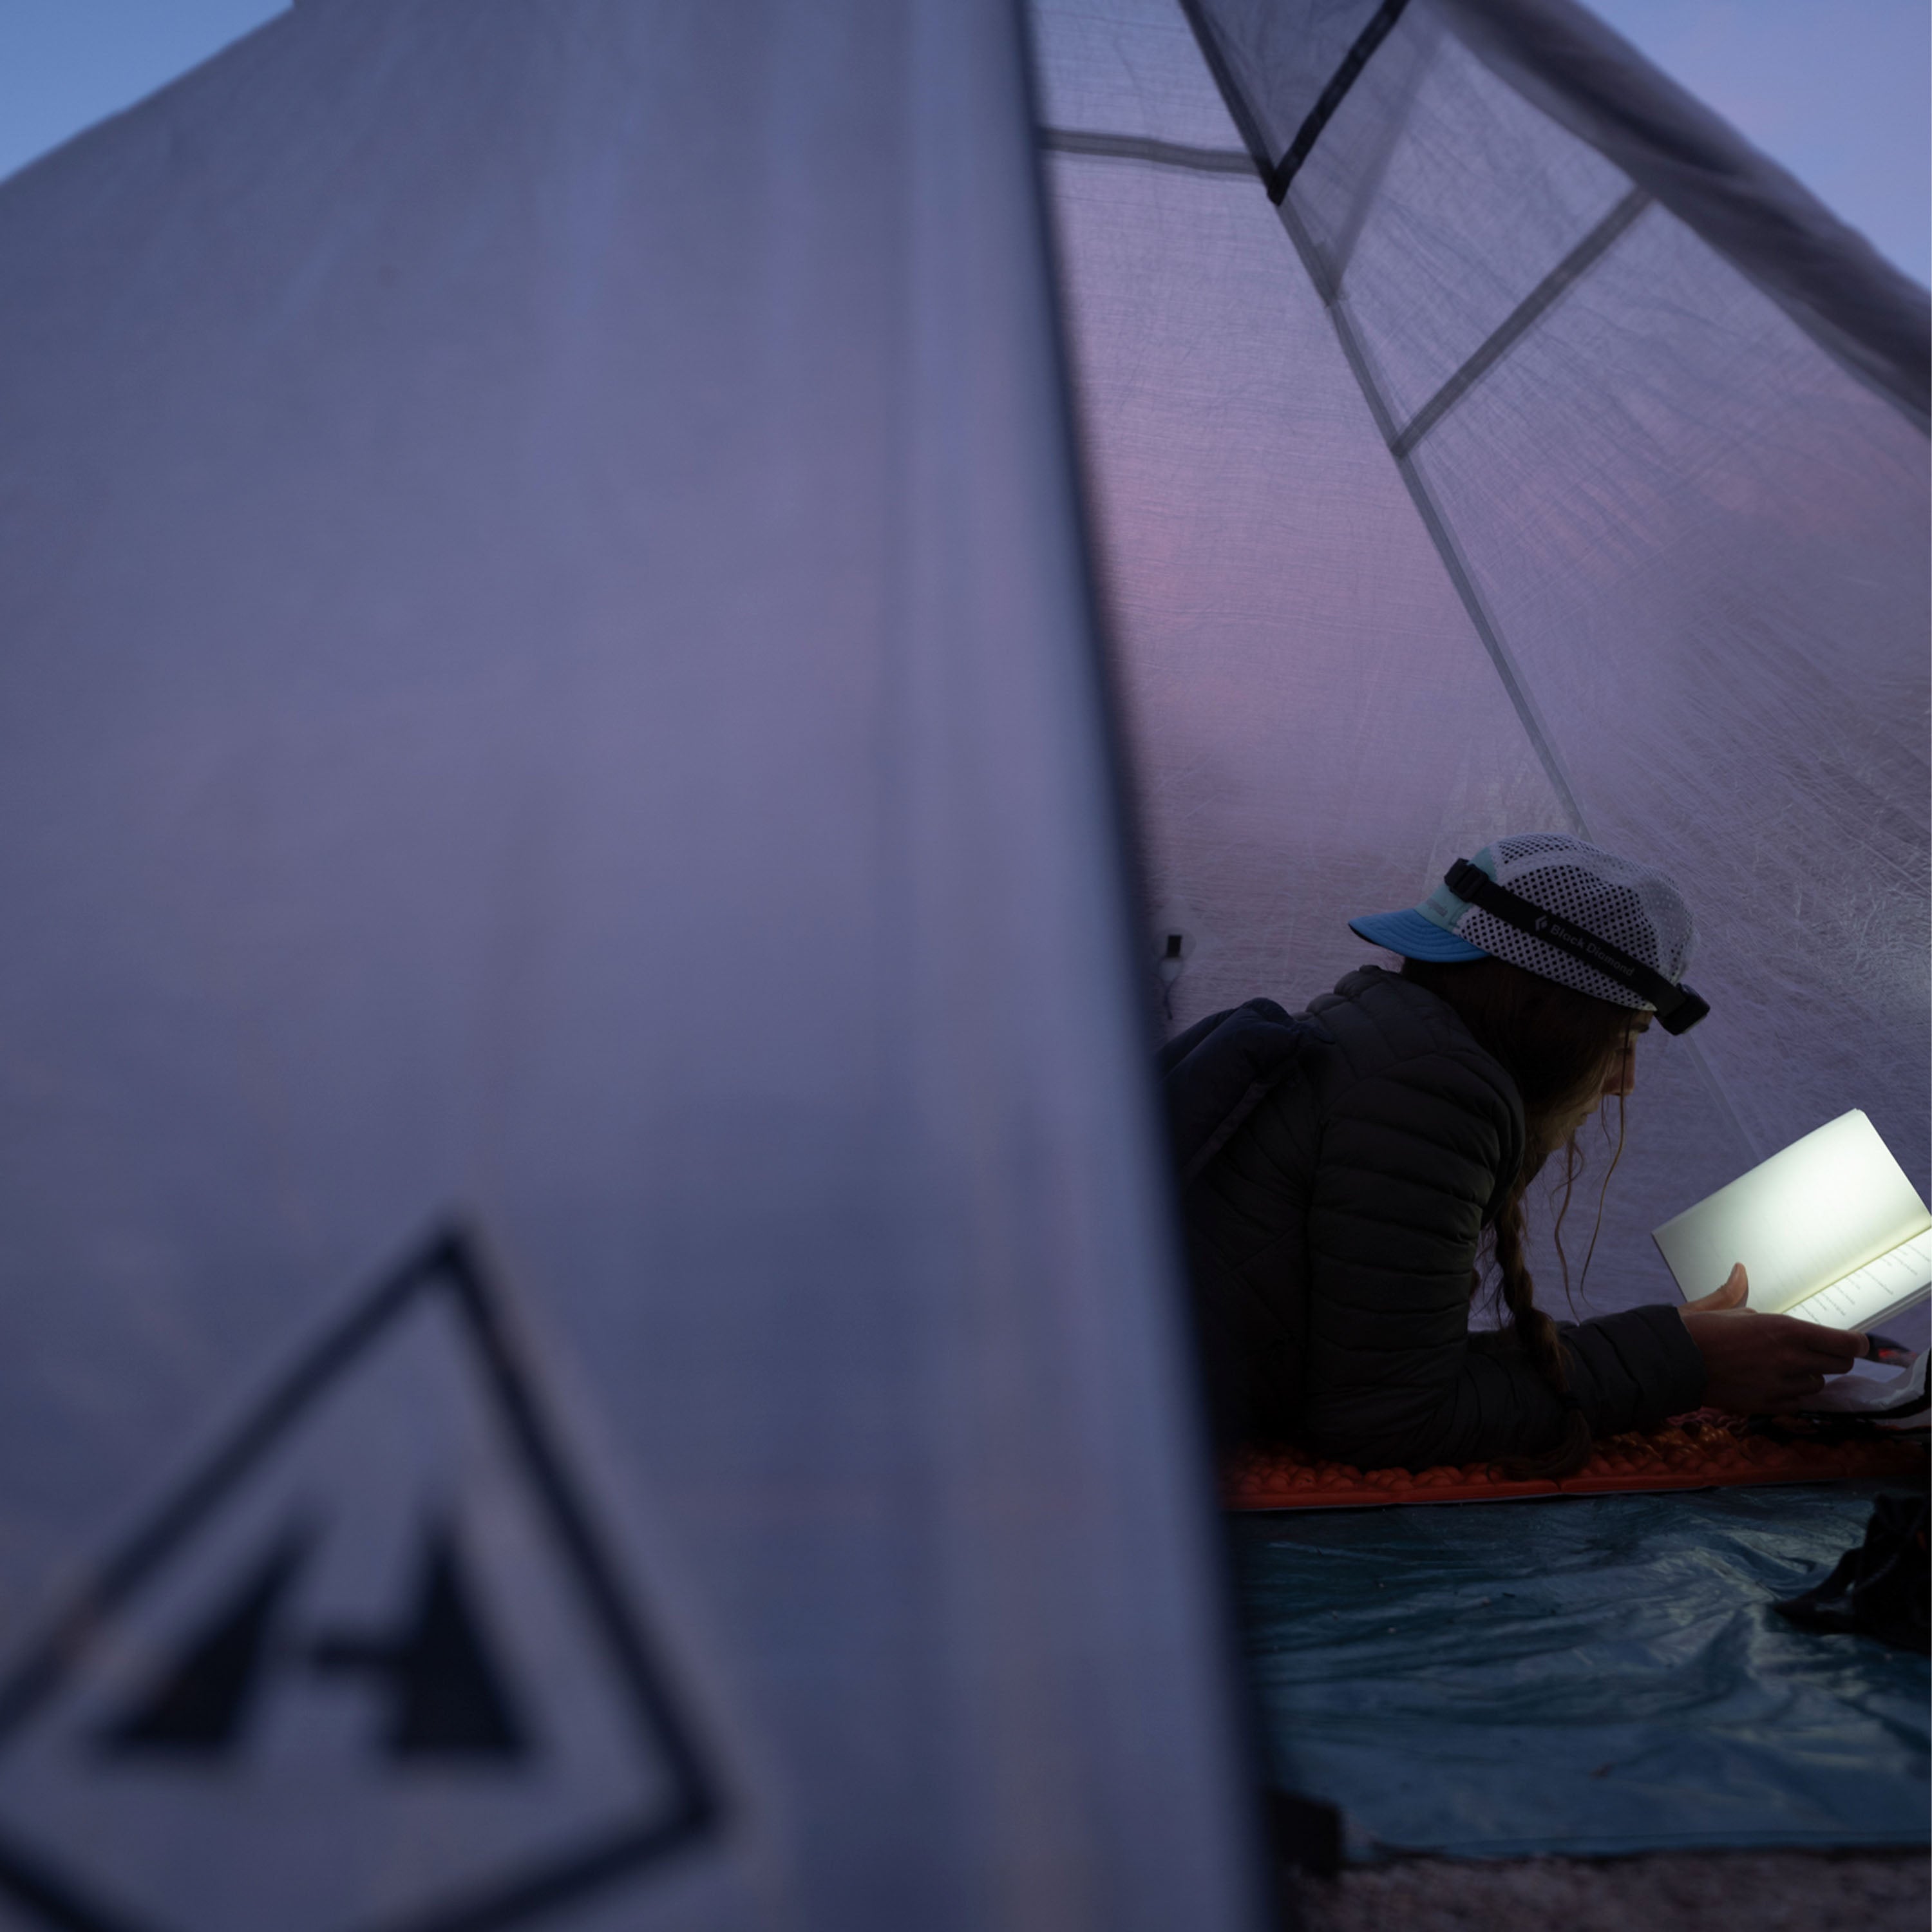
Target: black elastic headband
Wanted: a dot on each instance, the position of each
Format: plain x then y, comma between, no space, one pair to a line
1678,1009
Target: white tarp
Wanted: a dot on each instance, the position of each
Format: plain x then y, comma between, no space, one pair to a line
549,695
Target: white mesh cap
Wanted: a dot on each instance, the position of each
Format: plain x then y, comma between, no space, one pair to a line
1633,908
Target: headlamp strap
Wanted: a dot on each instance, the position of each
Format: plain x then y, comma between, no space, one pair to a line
1678,1009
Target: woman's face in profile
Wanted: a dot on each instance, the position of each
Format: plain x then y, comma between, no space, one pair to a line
1620,1076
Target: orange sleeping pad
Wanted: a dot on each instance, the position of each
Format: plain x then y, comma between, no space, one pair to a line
1702,1451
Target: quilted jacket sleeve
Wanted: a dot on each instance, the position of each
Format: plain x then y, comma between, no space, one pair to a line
1406,1169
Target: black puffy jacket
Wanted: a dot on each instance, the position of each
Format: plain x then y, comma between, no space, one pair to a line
1338,1169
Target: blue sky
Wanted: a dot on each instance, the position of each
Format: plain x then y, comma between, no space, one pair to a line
1836,90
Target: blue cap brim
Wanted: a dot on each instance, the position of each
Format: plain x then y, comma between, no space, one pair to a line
1413,937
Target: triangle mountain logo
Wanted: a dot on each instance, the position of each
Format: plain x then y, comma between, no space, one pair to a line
372,1668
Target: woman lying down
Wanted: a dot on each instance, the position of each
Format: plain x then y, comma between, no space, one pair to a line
1344,1168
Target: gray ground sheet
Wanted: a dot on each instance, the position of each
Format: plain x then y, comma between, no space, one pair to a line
1591,1676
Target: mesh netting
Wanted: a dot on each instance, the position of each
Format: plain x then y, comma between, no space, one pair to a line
1633,907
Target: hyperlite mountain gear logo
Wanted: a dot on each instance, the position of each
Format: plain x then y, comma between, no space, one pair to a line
373,1668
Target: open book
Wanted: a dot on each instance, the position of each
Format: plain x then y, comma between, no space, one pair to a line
1894,1395
1830,1231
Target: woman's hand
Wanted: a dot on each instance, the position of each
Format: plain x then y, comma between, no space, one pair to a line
1760,1364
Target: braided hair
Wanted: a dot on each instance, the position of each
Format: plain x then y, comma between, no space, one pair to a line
1559,1046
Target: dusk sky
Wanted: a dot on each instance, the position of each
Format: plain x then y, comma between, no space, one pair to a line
1836,90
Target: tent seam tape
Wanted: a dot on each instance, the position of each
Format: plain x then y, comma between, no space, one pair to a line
1872,319
1246,125
1433,521
1094,145
1425,32
1380,26
1574,268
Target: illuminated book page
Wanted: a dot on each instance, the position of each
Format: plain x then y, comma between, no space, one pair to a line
1869,1294
1807,1219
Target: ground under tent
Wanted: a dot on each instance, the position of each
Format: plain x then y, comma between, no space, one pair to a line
1594,1677
575,1073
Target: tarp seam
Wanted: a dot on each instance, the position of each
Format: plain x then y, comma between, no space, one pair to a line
1232,97
1332,96
1871,318
1098,146
1521,320
1438,531
1424,32
1276,175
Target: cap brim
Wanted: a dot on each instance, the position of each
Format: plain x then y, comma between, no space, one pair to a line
1413,937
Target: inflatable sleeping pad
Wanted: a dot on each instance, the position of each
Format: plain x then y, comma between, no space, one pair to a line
1704,1450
